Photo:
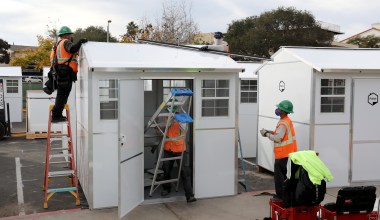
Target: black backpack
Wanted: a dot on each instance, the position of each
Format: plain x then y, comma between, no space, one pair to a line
306,193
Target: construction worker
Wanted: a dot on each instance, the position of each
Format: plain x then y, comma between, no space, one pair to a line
174,149
63,58
284,139
219,44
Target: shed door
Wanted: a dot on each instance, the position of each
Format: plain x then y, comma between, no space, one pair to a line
131,145
365,124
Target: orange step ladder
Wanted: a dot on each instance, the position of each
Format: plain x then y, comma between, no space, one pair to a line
55,155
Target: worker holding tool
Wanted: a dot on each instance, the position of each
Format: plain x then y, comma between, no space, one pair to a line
219,44
284,139
63,58
174,148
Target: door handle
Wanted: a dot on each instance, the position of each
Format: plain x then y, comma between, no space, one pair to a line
122,140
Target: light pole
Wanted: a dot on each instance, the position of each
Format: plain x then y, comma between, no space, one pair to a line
108,31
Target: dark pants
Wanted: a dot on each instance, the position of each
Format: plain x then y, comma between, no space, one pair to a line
185,172
61,99
280,175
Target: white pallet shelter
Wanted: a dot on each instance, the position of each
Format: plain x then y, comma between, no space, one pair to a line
248,109
110,102
12,80
336,111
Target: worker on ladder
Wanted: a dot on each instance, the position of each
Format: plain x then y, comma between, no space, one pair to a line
64,62
174,148
219,44
284,139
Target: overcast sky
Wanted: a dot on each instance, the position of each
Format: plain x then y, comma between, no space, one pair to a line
22,20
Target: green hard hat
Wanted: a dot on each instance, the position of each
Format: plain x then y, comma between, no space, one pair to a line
64,30
286,106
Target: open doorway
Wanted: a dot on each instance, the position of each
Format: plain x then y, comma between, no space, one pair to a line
155,92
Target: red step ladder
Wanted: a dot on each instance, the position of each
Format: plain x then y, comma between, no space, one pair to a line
55,155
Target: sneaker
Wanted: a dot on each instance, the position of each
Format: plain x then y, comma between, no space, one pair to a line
58,119
165,192
47,90
191,199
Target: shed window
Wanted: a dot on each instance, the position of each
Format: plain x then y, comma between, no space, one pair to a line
12,86
332,95
248,91
108,97
172,84
215,98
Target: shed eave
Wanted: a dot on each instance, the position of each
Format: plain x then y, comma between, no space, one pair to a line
327,70
160,69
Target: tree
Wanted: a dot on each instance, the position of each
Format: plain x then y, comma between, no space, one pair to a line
132,30
4,56
93,33
39,57
262,35
370,41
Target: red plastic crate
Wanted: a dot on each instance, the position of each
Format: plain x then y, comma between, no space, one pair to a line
292,213
329,215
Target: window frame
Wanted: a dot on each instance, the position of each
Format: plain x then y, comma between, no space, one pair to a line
333,94
109,99
8,86
215,98
253,91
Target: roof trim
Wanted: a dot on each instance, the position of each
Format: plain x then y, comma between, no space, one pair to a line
163,70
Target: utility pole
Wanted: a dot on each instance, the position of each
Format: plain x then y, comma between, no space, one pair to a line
108,30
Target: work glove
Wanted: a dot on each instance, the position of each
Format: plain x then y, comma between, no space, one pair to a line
263,132
83,40
204,48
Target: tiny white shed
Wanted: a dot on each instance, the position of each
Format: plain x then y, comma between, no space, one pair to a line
120,86
248,108
12,80
336,111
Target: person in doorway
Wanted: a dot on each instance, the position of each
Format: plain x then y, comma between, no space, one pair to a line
174,148
63,58
284,139
219,44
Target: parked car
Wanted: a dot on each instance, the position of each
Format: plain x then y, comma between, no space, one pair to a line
32,79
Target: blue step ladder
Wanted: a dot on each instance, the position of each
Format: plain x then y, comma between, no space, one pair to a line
176,107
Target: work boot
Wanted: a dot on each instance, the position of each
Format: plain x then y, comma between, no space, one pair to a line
47,90
191,199
165,192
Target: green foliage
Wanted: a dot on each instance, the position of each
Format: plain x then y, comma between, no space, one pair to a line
4,56
262,35
93,33
370,41
39,57
132,30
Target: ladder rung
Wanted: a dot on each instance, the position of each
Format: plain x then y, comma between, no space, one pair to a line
61,173
61,148
165,181
59,162
153,125
58,190
58,138
151,171
175,103
59,155
171,158
59,122
164,114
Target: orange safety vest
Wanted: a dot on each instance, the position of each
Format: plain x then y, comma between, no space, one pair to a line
63,56
288,143
173,132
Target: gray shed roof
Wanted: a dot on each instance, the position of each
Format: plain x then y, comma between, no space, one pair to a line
330,58
13,71
151,57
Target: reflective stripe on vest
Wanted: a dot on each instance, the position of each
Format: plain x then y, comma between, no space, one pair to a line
288,143
173,132
63,56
